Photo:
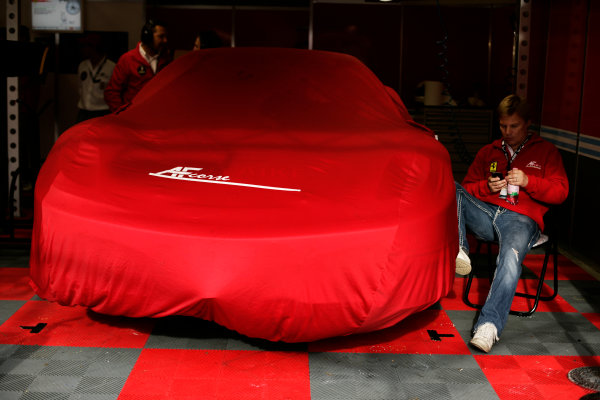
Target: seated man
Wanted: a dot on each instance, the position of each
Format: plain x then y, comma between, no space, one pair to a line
532,171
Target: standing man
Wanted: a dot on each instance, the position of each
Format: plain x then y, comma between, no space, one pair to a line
525,164
94,73
136,67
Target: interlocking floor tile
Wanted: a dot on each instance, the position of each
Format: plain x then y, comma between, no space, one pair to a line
14,284
50,352
584,296
428,332
44,323
594,318
48,372
534,377
8,308
567,269
352,376
540,334
194,333
216,374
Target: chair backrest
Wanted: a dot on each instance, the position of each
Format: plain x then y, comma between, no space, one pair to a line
551,222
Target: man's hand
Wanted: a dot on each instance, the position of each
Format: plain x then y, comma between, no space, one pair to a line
517,177
496,184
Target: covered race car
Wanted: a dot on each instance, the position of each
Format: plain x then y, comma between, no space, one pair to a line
285,194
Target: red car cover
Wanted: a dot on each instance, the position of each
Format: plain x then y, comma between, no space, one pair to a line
285,194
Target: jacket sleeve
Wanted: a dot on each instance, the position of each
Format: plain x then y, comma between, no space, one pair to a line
113,94
553,186
475,182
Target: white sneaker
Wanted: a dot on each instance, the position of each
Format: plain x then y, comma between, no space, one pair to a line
485,337
463,263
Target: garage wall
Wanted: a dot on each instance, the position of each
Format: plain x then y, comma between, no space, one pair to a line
570,115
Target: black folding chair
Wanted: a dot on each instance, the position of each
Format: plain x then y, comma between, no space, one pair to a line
548,243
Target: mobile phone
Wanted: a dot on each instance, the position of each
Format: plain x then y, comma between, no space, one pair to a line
498,175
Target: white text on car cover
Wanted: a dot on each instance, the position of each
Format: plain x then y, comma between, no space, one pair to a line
192,174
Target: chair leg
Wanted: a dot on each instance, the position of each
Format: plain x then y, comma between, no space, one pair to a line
555,280
467,290
551,249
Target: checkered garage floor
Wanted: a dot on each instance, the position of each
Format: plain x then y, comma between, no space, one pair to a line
52,352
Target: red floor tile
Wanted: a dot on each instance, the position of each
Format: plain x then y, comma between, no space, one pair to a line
534,377
567,269
230,374
453,301
14,284
19,233
594,318
72,326
410,336
219,375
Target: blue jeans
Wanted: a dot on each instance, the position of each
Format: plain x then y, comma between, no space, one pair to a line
516,234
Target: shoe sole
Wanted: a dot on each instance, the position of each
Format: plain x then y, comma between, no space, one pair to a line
462,267
480,345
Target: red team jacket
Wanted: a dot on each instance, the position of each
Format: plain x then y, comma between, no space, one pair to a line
130,74
542,163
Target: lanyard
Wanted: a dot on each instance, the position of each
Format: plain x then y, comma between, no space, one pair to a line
514,155
94,76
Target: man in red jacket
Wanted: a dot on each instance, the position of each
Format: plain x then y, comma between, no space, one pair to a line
136,67
520,162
